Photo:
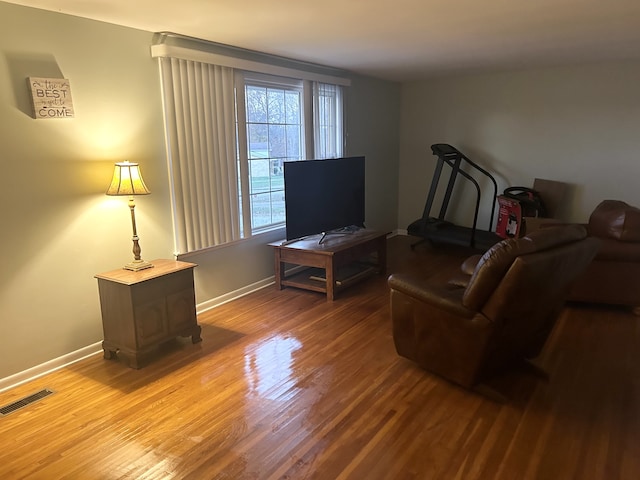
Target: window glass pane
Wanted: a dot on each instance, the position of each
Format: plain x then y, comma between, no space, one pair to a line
275,106
258,141
277,206
323,107
277,141
260,210
259,172
277,170
292,107
256,104
293,142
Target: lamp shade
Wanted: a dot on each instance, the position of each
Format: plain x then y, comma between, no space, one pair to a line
127,180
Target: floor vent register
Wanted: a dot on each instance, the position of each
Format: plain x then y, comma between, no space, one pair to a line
23,402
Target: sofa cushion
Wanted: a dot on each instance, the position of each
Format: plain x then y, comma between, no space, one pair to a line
615,219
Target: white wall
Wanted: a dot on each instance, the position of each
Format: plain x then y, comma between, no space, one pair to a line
58,227
577,124
373,130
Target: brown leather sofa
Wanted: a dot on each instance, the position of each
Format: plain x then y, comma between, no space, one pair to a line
614,275
504,314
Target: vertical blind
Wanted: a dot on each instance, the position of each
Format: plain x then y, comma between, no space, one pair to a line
199,104
327,120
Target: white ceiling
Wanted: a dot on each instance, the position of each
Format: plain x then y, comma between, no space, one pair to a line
391,39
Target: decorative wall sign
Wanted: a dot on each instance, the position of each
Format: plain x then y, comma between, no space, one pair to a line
51,97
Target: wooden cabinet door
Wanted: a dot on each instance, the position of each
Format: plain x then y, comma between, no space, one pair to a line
181,307
152,324
150,312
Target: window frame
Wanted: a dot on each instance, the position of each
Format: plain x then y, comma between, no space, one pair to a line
308,150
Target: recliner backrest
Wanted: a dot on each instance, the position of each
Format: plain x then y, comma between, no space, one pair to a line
538,283
521,286
495,263
528,300
617,220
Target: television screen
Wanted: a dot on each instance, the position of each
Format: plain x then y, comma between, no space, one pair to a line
323,195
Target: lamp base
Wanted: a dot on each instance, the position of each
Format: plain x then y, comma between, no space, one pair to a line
138,265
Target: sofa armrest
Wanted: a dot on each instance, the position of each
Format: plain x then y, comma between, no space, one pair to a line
442,297
431,327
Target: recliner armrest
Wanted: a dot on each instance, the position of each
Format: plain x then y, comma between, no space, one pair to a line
440,296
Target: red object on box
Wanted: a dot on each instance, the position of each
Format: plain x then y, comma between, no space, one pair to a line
509,217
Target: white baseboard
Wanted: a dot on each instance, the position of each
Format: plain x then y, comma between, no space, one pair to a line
241,292
48,367
227,297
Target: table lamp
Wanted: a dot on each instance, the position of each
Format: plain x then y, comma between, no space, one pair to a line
127,180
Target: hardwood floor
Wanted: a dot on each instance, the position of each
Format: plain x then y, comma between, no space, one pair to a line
287,385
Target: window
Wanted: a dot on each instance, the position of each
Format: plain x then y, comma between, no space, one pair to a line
229,131
271,124
273,120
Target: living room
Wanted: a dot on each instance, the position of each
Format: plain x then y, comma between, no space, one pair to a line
575,122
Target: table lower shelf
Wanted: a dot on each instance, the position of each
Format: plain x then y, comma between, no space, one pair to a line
315,278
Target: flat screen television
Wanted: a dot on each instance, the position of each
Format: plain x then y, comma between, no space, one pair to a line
323,195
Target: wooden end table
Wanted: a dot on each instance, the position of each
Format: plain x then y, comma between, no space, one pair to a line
141,310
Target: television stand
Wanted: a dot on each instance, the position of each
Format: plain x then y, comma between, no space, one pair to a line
334,255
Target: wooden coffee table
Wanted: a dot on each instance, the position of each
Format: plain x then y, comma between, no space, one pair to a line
334,264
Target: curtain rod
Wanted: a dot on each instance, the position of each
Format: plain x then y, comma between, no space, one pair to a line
161,37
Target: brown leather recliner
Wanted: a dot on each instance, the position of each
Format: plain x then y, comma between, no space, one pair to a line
504,314
614,275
